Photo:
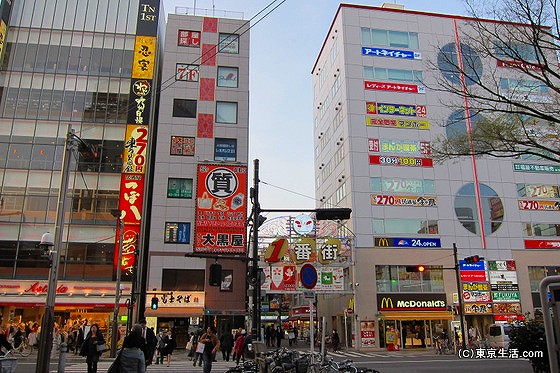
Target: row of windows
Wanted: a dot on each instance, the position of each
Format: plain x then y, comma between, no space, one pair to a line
41,153
68,60
395,279
51,104
388,38
525,86
405,226
226,112
227,76
227,43
536,274
381,73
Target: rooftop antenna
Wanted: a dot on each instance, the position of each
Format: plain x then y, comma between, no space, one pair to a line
194,8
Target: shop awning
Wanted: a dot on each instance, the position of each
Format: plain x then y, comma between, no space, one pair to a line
175,312
416,315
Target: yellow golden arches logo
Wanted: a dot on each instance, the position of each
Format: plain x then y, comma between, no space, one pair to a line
385,302
382,241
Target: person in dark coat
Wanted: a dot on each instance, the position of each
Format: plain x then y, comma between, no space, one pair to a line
89,348
151,342
169,345
4,342
279,335
132,355
226,344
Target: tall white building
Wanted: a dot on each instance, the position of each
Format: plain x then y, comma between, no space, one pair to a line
375,114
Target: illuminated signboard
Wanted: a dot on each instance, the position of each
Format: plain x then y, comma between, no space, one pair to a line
393,53
419,111
398,123
187,38
538,191
140,98
476,296
544,168
512,308
394,87
132,195
144,57
411,301
399,146
538,205
135,149
478,308
505,296
177,299
400,161
406,242
221,209
411,201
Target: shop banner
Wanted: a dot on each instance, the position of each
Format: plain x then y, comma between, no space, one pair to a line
542,244
399,146
479,266
177,299
392,53
503,277
473,276
390,160
502,265
417,124
290,277
538,205
507,308
394,87
476,296
408,201
411,302
396,109
505,296
367,333
478,308
544,168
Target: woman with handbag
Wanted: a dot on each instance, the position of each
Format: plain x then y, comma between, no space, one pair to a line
92,348
168,347
132,355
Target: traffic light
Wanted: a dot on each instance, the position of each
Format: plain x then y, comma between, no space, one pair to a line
155,302
417,268
472,259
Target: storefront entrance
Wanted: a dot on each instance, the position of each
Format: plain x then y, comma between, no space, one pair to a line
412,333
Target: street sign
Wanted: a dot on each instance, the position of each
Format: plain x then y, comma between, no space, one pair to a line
308,276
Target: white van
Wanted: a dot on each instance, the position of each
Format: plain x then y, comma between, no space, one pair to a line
498,336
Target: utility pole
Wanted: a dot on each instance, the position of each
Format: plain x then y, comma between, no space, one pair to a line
47,324
256,320
460,296
115,327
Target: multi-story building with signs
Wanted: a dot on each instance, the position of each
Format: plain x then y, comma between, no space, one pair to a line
92,67
376,112
199,203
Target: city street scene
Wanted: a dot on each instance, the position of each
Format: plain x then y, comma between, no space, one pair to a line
279,187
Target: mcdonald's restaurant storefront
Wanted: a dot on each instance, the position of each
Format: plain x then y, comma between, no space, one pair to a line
414,318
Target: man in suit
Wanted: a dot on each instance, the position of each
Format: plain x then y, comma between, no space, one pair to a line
151,342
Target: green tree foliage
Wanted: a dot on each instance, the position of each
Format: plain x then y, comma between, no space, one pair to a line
508,75
530,336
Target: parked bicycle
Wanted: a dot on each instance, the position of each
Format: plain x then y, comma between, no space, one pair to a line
23,350
444,346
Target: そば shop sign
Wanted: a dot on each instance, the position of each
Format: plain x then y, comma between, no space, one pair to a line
221,209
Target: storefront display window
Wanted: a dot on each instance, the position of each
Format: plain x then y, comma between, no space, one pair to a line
395,279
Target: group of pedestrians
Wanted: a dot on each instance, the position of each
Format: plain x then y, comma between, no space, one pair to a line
273,336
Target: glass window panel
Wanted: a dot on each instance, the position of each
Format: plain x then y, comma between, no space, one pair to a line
413,40
184,108
228,43
379,37
183,279
368,72
366,36
226,112
380,73
378,226
398,39
375,184
179,188
227,76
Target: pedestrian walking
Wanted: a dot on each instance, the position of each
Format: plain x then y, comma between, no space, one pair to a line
211,346
159,347
169,345
226,344
239,347
132,354
197,355
279,335
90,348
151,342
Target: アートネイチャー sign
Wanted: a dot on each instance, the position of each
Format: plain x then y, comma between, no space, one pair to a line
411,302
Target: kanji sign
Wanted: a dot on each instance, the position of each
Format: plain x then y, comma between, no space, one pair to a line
303,251
394,87
538,205
396,109
144,57
394,53
329,251
221,209
390,160
135,148
418,124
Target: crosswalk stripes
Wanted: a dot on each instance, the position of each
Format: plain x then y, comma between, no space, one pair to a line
176,366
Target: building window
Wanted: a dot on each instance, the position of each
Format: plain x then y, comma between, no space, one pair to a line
340,194
537,191
179,188
541,230
514,51
177,233
399,185
184,108
228,43
405,226
395,279
466,208
388,38
381,73
447,61
537,274
523,86
227,77
188,38
181,145
225,150
226,112
182,279
186,72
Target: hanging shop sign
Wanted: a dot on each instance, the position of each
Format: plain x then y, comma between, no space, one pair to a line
418,124
392,53
135,149
279,278
406,242
396,109
276,250
394,87
400,161
409,201
538,205
177,299
411,302
502,265
221,209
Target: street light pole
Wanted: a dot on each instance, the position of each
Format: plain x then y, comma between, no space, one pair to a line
47,324
460,296
115,326
255,324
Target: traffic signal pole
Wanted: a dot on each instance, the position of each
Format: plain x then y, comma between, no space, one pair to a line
460,296
256,320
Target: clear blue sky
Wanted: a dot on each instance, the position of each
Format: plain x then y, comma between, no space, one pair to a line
284,47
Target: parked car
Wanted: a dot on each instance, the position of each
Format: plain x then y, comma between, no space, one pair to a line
498,336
